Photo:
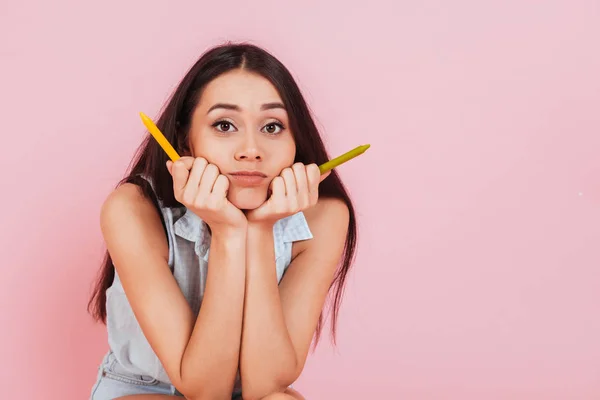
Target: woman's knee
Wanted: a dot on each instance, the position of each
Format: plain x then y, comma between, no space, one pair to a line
289,394
279,396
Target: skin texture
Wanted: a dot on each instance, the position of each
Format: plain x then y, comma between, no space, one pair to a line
247,319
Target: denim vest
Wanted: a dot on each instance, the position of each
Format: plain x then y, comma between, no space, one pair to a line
189,247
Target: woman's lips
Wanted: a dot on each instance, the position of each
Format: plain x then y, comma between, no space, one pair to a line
248,178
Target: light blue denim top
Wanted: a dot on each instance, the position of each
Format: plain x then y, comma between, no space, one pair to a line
189,247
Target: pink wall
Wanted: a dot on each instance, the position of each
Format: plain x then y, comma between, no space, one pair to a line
478,269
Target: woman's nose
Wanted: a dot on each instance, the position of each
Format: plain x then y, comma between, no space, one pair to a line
249,150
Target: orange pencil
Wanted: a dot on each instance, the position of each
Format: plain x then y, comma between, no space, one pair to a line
160,138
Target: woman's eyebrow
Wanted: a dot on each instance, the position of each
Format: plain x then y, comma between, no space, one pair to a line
271,106
224,106
233,107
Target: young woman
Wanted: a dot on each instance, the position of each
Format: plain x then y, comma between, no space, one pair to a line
218,266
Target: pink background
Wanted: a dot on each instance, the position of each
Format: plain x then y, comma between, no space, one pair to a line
478,272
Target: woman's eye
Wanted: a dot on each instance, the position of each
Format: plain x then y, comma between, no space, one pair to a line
273,128
224,126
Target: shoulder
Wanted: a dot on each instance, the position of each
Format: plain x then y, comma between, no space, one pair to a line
125,200
329,214
328,221
127,215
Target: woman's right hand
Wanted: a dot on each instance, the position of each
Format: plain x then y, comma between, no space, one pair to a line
200,187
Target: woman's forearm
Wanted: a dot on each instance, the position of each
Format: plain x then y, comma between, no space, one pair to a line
210,362
268,359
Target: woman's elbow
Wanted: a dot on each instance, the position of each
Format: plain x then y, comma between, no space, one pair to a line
203,389
256,388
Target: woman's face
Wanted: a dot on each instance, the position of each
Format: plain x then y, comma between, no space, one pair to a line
241,126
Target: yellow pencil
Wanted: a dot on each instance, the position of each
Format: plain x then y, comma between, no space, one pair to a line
335,162
166,146
160,138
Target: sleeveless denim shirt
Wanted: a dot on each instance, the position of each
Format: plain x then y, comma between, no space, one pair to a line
189,247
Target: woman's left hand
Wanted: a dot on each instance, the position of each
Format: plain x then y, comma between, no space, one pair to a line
294,190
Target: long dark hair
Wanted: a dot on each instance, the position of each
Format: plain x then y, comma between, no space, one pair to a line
174,122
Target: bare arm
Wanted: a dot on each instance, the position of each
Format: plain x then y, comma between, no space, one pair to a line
200,356
267,357
280,321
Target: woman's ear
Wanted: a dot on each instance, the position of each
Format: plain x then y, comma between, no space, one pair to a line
183,144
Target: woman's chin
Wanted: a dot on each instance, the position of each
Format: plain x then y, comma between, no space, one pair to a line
247,198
